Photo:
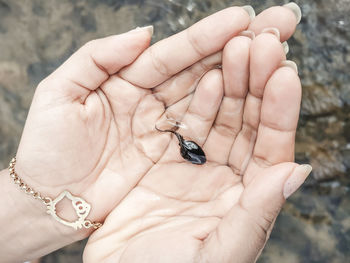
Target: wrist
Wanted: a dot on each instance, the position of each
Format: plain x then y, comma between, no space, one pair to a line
29,229
64,202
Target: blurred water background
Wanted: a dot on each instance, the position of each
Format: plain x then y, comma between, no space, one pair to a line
38,35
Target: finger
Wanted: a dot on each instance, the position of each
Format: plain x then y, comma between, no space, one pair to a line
228,123
185,82
284,18
92,64
200,114
242,233
203,109
171,55
266,55
279,118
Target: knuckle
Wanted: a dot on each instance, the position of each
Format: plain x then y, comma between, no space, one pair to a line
194,42
159,65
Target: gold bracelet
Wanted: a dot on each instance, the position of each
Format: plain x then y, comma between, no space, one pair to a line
82,208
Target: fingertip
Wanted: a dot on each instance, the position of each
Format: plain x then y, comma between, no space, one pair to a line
208,94
285,47
236,46
285,78
266,48
266,54
117,51
296,179
295,9
281,101
248,34
274,31
238,17
269,37
212,83
290,64
278,17
250,10
148,29
140,37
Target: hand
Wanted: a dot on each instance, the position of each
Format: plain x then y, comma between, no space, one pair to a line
90,129
245,118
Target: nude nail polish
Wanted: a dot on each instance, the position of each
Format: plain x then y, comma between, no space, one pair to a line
290,64
247,33
250,10
272,30
295,9
148,28
285,47
296,179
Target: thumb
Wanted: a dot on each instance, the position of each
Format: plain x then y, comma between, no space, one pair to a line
94,62
243,232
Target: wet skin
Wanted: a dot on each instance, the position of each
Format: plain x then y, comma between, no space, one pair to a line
189,150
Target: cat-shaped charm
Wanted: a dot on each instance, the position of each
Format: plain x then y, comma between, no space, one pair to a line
82,209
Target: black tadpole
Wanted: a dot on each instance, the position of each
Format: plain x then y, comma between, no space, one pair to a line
189,150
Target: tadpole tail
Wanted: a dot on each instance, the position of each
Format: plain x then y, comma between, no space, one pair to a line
179,137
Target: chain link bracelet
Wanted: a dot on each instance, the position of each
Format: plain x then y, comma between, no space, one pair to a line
82,208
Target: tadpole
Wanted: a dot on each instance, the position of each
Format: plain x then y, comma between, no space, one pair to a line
189,150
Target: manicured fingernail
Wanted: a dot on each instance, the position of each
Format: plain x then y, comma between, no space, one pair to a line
148,28
285,47
296,179
295,9
290,64
250,10
274,31
247,33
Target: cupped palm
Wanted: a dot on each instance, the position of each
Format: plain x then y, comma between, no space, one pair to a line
181,212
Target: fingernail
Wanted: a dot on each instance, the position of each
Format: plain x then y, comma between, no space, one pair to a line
295,9
247,33
290,64
148,28
296,179
250,10
274,31
285,47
